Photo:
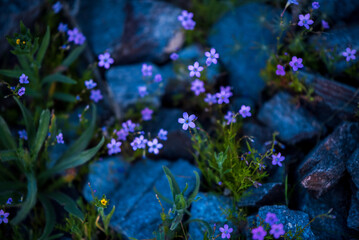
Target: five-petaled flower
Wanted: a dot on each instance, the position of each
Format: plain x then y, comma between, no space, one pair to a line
21,91
158,78
114,147
277,159
129,126
146,70
23,134
315,5
222,97
296,63
305,20
195,70
349,54
210,99
23,79
76,36
211,57
90,84
271,218
230,117
197,87
186,20
325,24
174,56
9,201
142,90
226,231
280,70
62,27
277,230
122,134
187,121
139,143
245,111
258,233
146,114
3,216
105,60
96,95
60,138
154,146
162,134
57,7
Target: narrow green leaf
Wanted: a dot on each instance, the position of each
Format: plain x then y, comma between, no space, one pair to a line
177,220
8,155
6,138
73,55
172,181
30,200
196,189
29,123
41,132
49,215
23,28
11,73
162,197
23,61
68,203
64,97
58,77
43,47
109,216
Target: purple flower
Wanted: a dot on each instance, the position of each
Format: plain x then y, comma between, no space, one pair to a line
142,90
122,134
57,7
139,143
219,183
129,126
23,134
277,230
62,27
146,114
245,111
162,134
325,24
3,216
186,20
189,25
174,56
222,97
197,87
226,231
9,201
277,159
76,36
187,121
349,54
293,2
195,70
305,20
226,89
211,57
158,78
90,84
230,118
154,146
296,63
315,5
23,79
21,91
96,95
271,218
258,233
60,139
146,70
105,60
280,70
113,147
210,99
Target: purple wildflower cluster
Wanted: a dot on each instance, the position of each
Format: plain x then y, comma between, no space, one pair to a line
60,138
296,63
95,94
76,36
186,20
276,230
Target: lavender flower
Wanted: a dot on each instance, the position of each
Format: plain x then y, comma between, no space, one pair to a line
315,5
142,90
189,25
174,56
222,97
105,60
271,218
349,54
146,70
277,230
305,20
154,146
60,138
9,201
195,70
21,91
90,84
113,147
57,7
296,63
62,27
76,36
122,134
277,159
162,134
23,79
211,57
210,99
3,216
129,126
293,2
258,233
23,134
245,111
139,143
96,95
146,114
226,89
158,78
226,231
230,117
280,70
197,87
325,24
186,20
187,121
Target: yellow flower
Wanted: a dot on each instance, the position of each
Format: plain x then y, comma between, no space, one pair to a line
18,41
23,42
104,201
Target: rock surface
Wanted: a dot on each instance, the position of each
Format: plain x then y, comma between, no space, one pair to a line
293,123
338,9
353,217
325,165
352,165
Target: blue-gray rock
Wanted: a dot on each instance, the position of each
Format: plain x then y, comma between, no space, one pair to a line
267,194
338,9
353,217
352,165
325,165
289,218
212,209
132,30
244,39
260,133
124,81
293,123
138,212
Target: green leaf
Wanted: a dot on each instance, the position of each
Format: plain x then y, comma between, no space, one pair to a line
64,97
23,62
6,138
177,220
196,189
162,197
82,142
108,217
58,77
23,28
49,215
175,189
41,132
68,203
8,155
73,55
30,200
43,47
204,223
11,73
29,123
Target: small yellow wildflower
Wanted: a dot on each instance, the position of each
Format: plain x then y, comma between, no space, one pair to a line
18,41
104,201
23,42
